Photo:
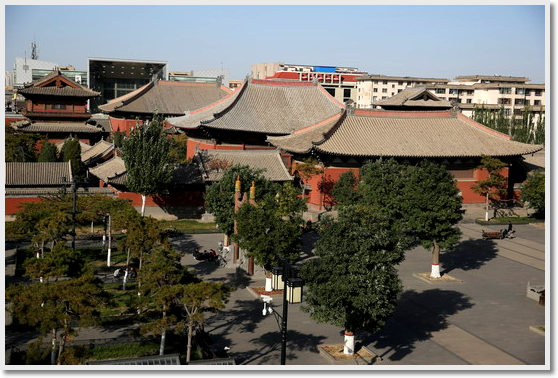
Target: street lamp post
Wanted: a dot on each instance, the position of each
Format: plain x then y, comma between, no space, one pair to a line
285,278
73,186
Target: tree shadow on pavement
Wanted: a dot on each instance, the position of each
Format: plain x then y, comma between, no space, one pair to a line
267,347
243,318
469,254
416,317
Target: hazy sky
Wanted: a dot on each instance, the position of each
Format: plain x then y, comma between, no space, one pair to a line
441,41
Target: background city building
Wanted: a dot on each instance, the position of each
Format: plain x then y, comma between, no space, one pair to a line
493,92
373,88
339,82
467,92
116,77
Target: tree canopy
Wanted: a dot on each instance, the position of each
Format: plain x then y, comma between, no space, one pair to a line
146,157
49,152
20,147
354,283
271,230
219,196
71,151
533,191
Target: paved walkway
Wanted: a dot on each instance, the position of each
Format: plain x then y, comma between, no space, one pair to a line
480,318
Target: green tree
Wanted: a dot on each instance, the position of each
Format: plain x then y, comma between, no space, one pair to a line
71,151
419,201
533,191
345,189
354,282
20,147
432,204
219,196
162,270
52,227
306,170
146,157
271,229
494,187
195,299
118,139
539,131
143,234
179,149
58,308
58,263
49,152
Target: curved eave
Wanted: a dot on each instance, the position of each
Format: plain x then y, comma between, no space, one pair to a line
419,137
118,102
194,119
427,156
302,141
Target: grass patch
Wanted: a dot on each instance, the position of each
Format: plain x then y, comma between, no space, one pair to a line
506,220
105,352
187,224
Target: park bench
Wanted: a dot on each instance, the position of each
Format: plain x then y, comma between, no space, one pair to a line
492,235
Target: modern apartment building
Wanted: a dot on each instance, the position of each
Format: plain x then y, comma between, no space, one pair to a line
373,88
493,92
339,82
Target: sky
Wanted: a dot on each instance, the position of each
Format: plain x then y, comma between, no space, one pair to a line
434,41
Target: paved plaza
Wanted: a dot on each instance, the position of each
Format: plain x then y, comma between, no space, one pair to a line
481,317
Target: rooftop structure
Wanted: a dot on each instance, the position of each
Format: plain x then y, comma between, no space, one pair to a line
339,82
167,98
116,77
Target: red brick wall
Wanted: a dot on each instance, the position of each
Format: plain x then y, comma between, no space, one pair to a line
189,198
12,204
123,125
317,199
206,145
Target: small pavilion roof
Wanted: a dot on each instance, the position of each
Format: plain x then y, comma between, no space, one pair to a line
99,150
109,169
167,97
419,135
414,97
56,84
269,160
274,107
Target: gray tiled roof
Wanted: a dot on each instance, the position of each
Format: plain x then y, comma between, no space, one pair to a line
111,168
101,120
37,174
33,192
303,140
84,146
418,134
268,160
536,160
168,97
57,127
193,118
72,89
99,150
400,78
59,92
414,97
270,107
